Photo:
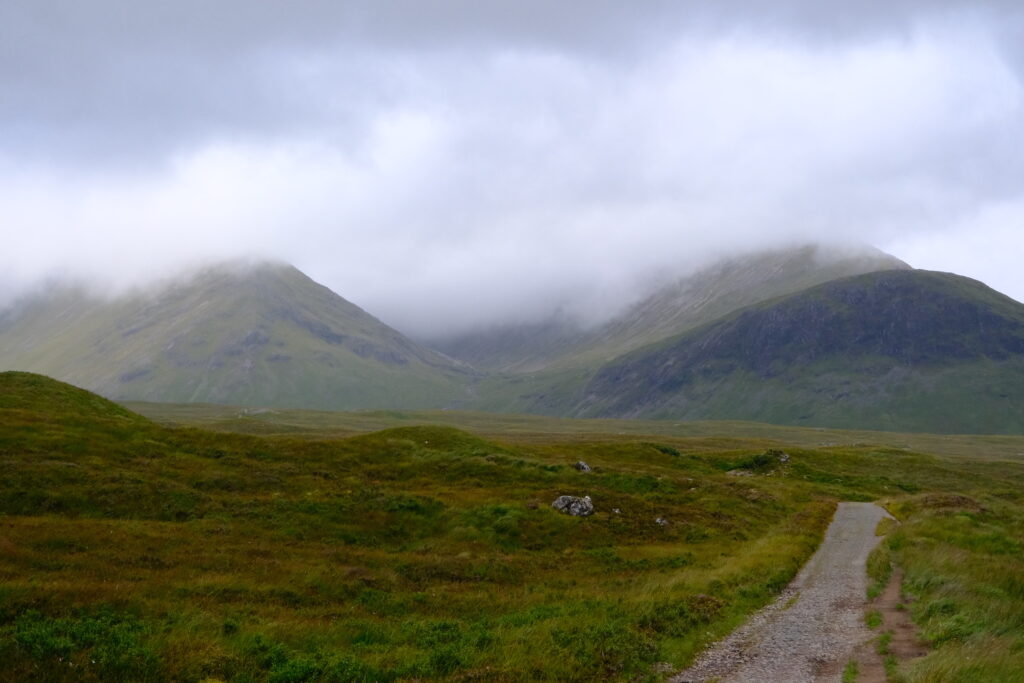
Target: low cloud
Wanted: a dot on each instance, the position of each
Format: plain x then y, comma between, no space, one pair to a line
492,163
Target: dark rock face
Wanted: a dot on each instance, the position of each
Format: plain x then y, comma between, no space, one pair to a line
574,505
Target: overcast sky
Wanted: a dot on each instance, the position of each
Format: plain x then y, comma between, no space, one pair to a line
453,163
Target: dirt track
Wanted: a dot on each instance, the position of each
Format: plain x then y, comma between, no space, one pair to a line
812,637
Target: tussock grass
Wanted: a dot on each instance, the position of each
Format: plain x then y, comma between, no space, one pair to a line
412,552
134,551
879,570
962,559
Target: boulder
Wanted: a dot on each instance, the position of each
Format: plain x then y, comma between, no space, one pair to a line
582,466
574,505
661,521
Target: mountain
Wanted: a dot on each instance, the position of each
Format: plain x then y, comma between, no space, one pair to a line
900,349
787,337
683,304
244,335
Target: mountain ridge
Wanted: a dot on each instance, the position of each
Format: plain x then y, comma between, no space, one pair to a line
680,304
891,348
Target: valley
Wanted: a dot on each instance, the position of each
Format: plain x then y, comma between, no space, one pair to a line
227,520
810,336
402,342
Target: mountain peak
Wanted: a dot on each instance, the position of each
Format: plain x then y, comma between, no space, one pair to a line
885,350
674,306
248,333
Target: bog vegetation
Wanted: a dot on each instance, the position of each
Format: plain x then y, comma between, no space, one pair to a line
131,550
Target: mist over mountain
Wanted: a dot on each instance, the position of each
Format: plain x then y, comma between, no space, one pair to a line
262,334
464,165
682,303
812,335
405,340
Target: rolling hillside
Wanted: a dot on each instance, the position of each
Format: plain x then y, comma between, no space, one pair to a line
132,551
244,335
913,350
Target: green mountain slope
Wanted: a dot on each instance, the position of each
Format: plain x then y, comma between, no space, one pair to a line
912,350
253,335
684,304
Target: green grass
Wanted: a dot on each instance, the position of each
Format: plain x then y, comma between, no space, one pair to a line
323,551
882,643
879,570
404,553
705,435
850,672
963,563
892,666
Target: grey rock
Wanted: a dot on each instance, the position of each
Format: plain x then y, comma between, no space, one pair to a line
582,466
661,521
574,505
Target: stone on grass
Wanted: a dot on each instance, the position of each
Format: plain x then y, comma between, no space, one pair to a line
574,505
582,466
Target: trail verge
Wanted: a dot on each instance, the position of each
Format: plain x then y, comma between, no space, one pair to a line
812,630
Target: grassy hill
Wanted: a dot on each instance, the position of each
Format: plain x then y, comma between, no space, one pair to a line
249,335
133,551
908,350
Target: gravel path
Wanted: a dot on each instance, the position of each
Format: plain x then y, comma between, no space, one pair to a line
814,637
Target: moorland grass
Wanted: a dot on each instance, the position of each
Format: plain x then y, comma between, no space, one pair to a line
963,562
131,551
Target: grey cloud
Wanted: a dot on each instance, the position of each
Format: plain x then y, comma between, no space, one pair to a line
451,164
114,78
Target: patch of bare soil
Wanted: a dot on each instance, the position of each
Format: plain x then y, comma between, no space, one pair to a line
903,644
